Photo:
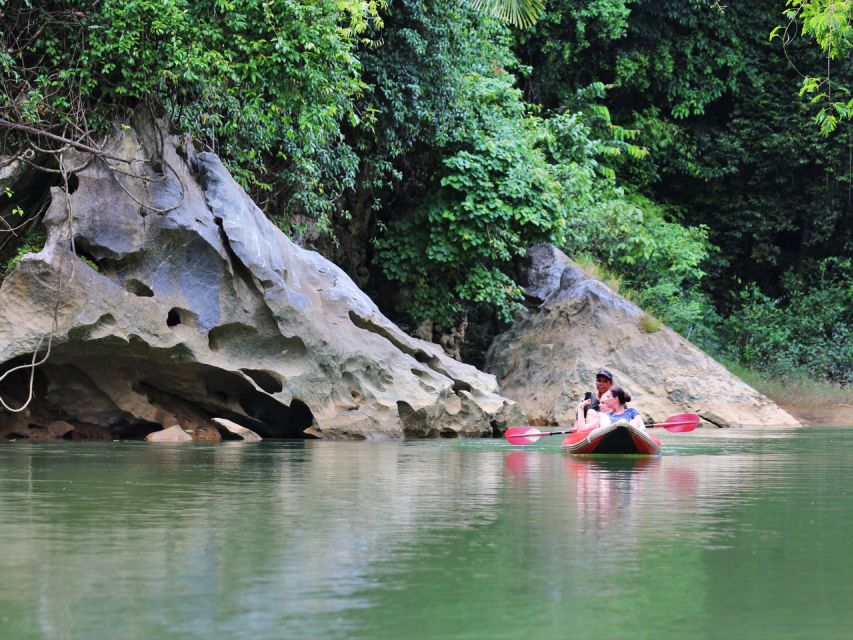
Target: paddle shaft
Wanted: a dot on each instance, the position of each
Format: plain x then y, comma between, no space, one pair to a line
547,433
671,424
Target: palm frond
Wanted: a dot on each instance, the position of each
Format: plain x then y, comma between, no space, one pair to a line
520,13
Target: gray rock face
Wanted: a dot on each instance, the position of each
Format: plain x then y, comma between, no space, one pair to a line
549,358
201,308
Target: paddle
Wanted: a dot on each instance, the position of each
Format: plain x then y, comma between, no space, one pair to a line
680,423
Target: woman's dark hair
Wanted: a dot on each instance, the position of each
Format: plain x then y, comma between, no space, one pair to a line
620,394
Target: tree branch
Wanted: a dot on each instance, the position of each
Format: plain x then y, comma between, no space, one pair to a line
68,141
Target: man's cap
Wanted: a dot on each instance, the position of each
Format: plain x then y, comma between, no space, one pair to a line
604,373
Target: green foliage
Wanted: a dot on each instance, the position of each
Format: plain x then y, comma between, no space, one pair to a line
521,13
498,194
90,263
16,210
649,324
828,23
417,92
514,179
782,197
809,328
813,394
645,134
682,54
658,264
265,83
457,160
730,146
32,242
561,45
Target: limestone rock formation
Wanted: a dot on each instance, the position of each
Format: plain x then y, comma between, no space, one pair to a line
239,433
198,307
549,357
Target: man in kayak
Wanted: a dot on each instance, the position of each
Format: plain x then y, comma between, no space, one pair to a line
603,382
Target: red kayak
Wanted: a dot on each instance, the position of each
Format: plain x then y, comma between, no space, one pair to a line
619,437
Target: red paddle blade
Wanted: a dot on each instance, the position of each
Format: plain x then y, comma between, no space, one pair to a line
522,435
681,423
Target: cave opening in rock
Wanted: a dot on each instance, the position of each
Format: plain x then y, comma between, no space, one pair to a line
19,378
134,430
277,420
22,207
138,288
73,183
173,318
266,380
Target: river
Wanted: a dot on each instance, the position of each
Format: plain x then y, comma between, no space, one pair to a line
730,534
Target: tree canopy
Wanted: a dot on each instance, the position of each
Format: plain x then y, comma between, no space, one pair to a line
699,155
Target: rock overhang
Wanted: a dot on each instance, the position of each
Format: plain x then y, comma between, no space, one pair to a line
192,305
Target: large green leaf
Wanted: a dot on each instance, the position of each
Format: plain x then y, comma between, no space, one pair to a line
521,13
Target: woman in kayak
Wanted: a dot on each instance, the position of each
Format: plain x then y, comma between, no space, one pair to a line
618,407
613,406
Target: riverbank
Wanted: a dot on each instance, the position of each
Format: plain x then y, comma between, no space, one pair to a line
831,415
815,403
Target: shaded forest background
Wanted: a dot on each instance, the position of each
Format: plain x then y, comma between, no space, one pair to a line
423,146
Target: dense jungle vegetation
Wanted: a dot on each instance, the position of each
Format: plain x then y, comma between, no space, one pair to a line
702,164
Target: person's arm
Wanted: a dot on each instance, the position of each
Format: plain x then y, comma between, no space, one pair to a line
585,423
637,422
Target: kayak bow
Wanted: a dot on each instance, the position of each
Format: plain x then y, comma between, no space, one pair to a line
617,438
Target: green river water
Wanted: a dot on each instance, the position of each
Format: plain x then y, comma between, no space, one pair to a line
731,534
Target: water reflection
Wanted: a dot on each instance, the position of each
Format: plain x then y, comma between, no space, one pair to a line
240,536
425,539
607,492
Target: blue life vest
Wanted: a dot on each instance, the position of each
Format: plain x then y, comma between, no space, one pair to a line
628,414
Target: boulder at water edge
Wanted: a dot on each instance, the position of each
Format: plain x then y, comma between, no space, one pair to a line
192,305
549,357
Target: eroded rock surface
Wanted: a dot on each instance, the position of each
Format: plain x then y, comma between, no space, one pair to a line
201,308
549,357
